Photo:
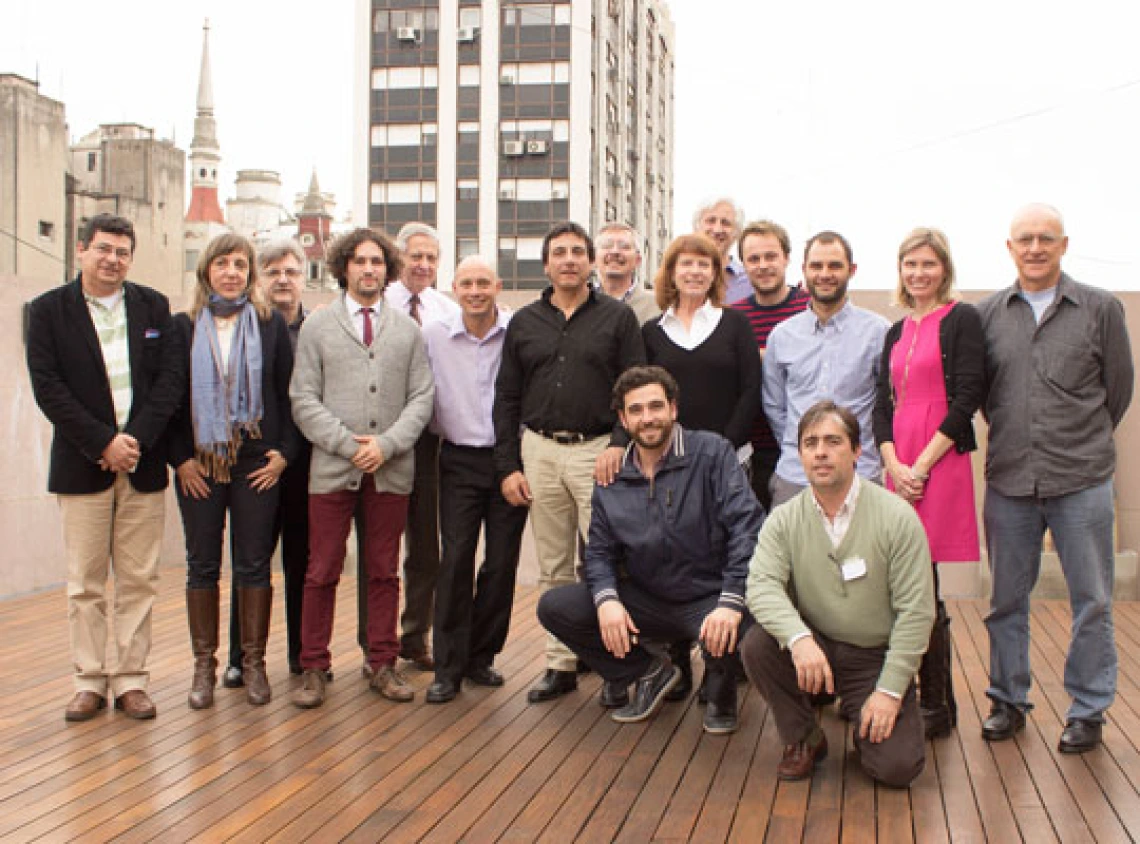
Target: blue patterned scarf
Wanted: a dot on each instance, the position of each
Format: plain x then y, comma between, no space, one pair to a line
225,402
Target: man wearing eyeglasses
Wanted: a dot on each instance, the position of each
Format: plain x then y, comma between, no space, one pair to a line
107,377
619,256
1059,368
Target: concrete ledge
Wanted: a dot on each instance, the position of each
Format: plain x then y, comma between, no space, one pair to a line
972,580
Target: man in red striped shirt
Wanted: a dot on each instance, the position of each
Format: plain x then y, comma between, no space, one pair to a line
764,248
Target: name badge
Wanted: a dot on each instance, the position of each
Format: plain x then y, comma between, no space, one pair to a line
854,568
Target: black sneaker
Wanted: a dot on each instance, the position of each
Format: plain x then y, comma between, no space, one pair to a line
649,691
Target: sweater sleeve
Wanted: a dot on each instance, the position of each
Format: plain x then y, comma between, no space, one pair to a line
738,430
506,412
769,579
911,581
882,418
969,373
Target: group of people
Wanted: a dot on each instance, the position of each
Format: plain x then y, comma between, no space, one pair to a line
765,470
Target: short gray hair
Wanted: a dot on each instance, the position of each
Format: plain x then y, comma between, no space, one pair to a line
737,211
410,230
278,249
622,227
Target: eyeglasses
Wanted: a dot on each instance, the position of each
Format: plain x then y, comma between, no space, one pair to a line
1026,241
106,250
279,273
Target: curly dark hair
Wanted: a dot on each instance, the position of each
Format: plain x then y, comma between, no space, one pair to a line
343,250
637,377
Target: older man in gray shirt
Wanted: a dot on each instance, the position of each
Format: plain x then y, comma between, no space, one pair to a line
1060,375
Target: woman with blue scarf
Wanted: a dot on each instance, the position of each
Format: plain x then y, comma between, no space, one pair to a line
230,442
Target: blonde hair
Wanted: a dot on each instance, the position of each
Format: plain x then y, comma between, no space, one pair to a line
224,244
937,241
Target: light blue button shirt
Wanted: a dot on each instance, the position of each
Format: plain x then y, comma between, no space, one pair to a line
808,361
465,368
738,286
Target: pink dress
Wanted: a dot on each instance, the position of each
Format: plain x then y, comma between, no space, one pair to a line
947,507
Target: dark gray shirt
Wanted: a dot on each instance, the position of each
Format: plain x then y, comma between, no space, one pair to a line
1057,389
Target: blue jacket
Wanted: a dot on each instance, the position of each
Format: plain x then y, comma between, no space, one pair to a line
687,534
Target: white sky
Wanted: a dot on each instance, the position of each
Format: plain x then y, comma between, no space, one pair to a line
869,118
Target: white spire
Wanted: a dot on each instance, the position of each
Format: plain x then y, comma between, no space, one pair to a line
205,87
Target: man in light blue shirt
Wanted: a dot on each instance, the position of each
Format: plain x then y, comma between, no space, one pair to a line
465,351
830,351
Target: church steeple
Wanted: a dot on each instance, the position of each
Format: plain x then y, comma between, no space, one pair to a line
205,154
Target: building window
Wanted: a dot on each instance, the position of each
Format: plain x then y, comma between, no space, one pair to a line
404,78
47,230
467,189
469,74
402,193
537,73
405,135
92,161
465,247
472,18
307,239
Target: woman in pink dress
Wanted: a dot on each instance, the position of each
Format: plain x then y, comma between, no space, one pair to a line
931,382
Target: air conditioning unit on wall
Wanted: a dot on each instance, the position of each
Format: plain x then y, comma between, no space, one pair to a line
536,147
514,148
407,33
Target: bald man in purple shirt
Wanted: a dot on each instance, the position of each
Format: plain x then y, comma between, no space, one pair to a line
465,351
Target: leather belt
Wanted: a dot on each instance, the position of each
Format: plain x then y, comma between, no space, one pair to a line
565,437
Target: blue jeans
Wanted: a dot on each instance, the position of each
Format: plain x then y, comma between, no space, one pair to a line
1081,524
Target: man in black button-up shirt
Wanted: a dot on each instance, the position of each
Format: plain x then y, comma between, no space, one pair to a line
561,357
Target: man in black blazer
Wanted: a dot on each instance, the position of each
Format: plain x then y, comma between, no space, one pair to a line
106,376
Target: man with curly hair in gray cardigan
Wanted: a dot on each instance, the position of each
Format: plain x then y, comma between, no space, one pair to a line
362,392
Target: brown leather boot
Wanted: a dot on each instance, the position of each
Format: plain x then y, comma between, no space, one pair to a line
202,612
253,607
935,680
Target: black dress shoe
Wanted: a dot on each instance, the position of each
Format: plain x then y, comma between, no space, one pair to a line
553,684
484,675
1079,735
720,713
649,692
441,691
233,679
1004,720
614,695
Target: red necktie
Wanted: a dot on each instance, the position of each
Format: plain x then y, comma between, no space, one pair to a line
367,325
414,308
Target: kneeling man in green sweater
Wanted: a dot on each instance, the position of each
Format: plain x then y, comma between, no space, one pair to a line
841,587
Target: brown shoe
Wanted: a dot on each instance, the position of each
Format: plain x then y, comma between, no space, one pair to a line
84,706
422,661
799,759
312,691
388,682
136,704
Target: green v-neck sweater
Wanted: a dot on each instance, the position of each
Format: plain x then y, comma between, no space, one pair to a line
796,582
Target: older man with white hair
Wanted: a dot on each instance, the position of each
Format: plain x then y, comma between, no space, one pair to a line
415,294
721,221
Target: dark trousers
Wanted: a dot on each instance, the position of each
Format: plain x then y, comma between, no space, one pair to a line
763,463
471,629
252,515
330,515
896,761
291,527
568,612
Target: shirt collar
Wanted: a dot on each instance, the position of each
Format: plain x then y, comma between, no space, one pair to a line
1066,289
838,319
676,449
704,313
455,325
355,307
848,505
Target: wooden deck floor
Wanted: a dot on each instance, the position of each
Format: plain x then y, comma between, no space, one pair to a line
491,767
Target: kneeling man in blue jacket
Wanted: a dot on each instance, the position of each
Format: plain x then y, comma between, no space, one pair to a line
670,542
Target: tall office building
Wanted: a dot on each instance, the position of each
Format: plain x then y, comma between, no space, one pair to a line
494,119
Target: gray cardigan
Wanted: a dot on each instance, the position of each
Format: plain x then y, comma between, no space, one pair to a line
341,388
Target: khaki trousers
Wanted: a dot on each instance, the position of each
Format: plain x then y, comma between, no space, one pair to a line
120,529
561,480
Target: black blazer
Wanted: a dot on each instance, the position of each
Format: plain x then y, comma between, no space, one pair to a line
70,383
963,349
277,428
